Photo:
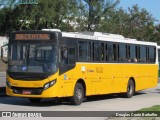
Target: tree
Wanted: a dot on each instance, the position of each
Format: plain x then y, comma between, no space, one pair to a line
50,14
155,36
92,12
79,15
45,14
136,23
7,16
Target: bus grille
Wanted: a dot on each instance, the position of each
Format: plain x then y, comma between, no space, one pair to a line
27,91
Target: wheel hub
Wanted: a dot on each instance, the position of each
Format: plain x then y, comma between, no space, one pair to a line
79,94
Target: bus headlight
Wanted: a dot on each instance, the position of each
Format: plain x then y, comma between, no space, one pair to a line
49,84
52,82
46,86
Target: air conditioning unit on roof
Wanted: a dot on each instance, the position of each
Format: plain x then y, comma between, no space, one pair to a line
54,30
116,36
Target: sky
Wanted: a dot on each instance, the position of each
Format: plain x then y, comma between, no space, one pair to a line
152,6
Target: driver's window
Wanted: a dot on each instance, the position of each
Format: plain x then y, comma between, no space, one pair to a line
71,56
68,56
64,56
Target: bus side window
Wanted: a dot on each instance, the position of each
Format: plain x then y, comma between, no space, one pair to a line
84,53
137,53
68,56
71,56
110,53
64,56
97,51
143,54
152,53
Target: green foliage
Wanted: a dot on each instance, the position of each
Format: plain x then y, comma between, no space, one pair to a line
92,12
79,15
153,108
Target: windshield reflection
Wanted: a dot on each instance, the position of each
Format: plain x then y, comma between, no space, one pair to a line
33,58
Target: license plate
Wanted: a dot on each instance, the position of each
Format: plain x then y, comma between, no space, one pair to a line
26,92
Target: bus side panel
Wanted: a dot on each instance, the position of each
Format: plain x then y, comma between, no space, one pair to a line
108,78
111,78
100,78
145,75
67,83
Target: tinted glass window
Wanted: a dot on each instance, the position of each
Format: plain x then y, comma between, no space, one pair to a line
142,54
33,58
122,52
137,58
97,51
115,55
109,52
132,53
102,51
159,56
71,56
151,54
84,51
65,55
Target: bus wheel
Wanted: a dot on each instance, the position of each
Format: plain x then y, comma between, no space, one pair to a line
130,89
78,96
34,100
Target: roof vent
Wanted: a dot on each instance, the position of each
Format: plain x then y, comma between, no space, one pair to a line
53,30
101,34
130,39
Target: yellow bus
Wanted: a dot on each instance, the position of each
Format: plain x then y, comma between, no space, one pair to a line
52,64
158,61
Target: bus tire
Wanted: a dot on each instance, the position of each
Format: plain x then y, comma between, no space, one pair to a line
35,100
130,89
78,96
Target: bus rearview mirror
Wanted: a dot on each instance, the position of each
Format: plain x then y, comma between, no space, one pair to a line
4,53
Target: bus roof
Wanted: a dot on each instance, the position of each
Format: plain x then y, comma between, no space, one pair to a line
158,47
98,36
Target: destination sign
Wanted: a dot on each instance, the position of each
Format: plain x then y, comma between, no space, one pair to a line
32,36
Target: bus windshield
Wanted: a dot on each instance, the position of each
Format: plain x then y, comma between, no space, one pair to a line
33,58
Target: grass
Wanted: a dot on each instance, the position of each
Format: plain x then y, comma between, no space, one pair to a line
153,108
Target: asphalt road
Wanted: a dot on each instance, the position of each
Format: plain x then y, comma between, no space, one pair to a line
2,79
142,99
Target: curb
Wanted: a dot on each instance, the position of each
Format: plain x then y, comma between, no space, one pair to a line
2,91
